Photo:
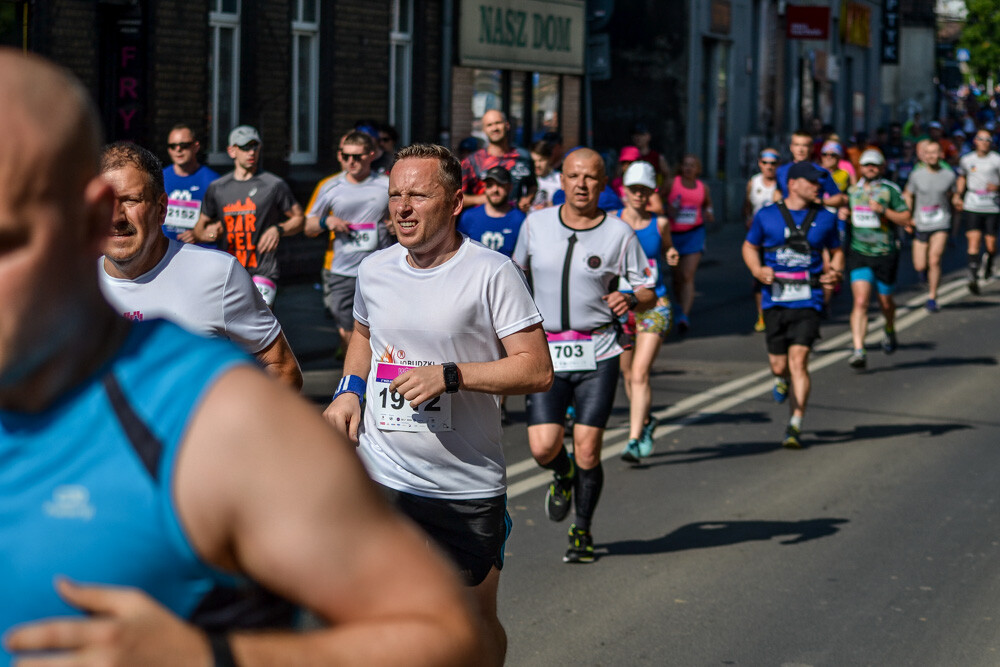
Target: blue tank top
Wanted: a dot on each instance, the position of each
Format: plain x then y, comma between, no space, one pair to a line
652,244
86,483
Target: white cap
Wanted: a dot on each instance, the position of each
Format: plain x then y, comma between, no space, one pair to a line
640,173
871,156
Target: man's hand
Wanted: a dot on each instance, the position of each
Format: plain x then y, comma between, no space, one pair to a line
617,302
269,239
831,277
337,225
187,236
420,384
124,626
673,257
956,202
344,414
211,234
765,275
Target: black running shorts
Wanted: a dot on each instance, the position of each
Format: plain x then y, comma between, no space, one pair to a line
790,326
472,532
592,394
983,222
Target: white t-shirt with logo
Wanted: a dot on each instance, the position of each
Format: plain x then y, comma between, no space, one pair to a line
980,172
205,291
458,311
364,206
599,256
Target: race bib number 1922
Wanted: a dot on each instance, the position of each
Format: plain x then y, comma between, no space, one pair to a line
393,412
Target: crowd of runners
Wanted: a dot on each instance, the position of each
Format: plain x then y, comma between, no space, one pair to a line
543,272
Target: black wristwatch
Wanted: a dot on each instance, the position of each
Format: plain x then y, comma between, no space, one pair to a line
631,299
450,377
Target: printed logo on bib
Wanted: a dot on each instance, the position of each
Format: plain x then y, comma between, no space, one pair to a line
393,412
865,218
931,215
982,199
790,286
492,240
792,258
571,351
362,237
182,213
687,215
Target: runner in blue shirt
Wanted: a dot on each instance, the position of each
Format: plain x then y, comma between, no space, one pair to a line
496,223
792,236
801,147
186,182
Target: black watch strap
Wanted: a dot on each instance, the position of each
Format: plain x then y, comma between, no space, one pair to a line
451,377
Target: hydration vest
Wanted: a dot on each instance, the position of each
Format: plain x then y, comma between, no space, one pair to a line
797,241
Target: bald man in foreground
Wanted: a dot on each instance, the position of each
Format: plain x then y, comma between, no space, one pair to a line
125,503
574,255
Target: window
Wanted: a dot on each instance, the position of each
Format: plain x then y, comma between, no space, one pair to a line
13,23
400,68
224,75
305,82
544,104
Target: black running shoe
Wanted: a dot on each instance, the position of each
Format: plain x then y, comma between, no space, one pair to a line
889,342
559,497
581,546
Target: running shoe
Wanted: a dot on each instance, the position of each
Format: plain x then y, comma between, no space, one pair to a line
631,453
931,306
988,267
759,325
791,440
857,359
889,342
581,546
559,496
973,282
780,389
683,324
646,439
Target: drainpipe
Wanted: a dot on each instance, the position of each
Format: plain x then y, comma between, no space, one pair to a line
447,39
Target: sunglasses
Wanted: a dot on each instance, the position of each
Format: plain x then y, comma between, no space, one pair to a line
180,146
831,154
769,162
252,146
349,157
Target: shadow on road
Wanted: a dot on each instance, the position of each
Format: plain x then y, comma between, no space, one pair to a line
706,534
936,362
712,418
876,431
970,305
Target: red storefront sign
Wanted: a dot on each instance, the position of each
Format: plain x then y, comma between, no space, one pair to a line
807,22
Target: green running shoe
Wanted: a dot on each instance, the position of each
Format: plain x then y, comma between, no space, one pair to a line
581,546
631,453
646,439
559,496
791,440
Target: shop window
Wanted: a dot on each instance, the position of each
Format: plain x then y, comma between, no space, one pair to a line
487,94
544,104
305,82
224,73
401,68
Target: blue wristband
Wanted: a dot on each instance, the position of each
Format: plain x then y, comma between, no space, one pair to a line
352,384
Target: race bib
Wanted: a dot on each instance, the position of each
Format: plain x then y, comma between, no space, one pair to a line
931,215
393,412
865,218
782,292
982,199
182,213
571,351
687,215
362,237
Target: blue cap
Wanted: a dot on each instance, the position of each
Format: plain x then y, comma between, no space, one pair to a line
806,170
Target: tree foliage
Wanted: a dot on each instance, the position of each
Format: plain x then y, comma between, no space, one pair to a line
981,37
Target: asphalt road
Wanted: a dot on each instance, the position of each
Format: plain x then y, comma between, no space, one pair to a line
874,545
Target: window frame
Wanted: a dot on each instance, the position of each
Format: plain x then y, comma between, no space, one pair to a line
308,29
401,74
219,20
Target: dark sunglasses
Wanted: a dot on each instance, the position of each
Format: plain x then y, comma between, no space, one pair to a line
348,157
831,154
251,146
180,146
771,162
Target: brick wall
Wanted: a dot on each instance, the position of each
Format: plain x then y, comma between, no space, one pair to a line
426,124
265,81
180,52
571,111
461,104
361,74
69,36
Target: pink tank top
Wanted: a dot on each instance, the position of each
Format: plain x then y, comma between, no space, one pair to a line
688,203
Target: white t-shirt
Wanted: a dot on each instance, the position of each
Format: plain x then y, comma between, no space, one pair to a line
547,186
761,195
458,311
599,256
205,291
364,206
980,172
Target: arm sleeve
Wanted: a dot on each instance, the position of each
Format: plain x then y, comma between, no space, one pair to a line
249,322
208,205
511,305
521,256
360,307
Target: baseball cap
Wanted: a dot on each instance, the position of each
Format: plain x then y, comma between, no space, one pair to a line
498,174
640,173
934,124
243,135
871,156
832,147
629,154
806,170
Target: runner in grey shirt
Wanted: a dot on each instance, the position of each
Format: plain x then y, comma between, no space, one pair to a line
928,193
353,207
248,211
976,194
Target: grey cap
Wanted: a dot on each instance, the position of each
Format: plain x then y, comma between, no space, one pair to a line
243,135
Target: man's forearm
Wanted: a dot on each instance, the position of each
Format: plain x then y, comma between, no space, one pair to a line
279,360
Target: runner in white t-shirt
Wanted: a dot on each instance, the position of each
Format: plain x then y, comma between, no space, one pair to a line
574,254
976,193
443,327
760,193
352,206
145,275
